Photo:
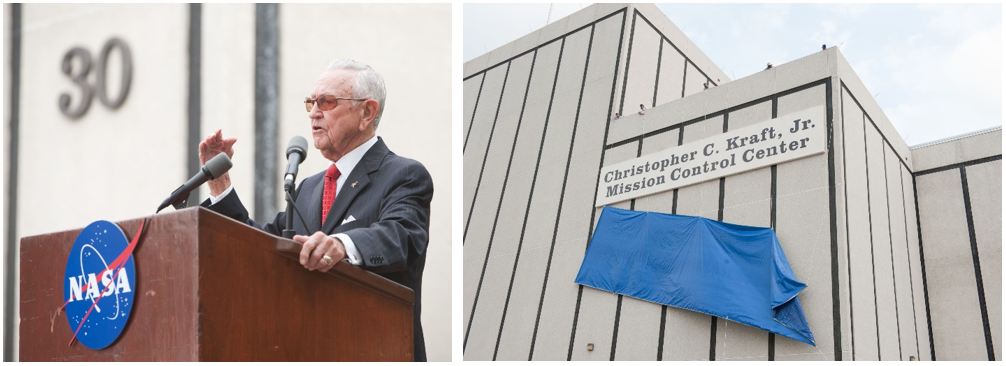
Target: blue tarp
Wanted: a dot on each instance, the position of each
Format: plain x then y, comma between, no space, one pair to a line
734,272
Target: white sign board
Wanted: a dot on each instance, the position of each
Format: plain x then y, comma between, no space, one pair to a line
789,137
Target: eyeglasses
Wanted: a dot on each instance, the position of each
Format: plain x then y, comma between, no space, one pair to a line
325,102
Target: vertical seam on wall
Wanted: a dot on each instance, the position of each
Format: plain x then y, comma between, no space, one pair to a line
890,238
11,253
266,109
977,264
618,313
684,78
489,145
908,253
548,114
772,217
474,110
848,241
869,211
922,261
565,179
656,79
832,211
194,98
499,206
628,58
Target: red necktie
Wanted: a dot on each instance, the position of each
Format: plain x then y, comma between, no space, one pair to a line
328,199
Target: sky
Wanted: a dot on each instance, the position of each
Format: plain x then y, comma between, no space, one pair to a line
935,69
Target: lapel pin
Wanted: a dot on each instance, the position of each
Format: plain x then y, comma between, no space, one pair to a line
353,185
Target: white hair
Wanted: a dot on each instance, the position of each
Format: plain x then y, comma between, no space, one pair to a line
369,84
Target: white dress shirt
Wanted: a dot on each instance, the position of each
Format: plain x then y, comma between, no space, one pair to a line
346,164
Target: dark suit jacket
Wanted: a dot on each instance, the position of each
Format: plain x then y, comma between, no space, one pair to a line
391,204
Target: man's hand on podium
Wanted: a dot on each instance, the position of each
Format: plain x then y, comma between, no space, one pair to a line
320,252
212,146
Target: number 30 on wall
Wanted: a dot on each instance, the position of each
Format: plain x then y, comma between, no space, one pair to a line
80,78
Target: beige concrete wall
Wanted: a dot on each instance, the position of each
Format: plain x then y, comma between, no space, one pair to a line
884,286
878,289
947,220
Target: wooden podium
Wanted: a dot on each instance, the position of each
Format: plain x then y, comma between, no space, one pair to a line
209,288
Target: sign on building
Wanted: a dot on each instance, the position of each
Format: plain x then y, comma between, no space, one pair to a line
793,136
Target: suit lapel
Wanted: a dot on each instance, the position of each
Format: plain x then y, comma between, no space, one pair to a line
357,182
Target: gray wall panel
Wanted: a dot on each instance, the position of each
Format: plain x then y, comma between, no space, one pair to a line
490,186
488,201
694,81
864,316
661,141
556,321
952,152
985,188
672,68
918,289
899,248
579,197
886,311
841,223
492,298
638,330
471,95
535,110
523,308
567,94
478,138
802,226
953,295
644,51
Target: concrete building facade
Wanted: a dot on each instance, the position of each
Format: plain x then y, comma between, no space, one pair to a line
860,223
244,68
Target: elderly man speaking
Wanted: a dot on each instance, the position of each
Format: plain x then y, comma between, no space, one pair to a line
370,208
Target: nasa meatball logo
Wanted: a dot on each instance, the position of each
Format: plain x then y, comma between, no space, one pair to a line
99,284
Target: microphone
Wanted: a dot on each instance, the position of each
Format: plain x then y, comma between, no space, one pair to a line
296,153
213,169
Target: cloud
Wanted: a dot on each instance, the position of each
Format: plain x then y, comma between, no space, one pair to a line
847,9
960,19
976,63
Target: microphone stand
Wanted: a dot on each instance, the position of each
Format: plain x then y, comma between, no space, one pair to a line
291,195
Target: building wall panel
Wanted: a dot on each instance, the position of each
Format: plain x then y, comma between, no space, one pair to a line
918,280
879,222
489,186
672,68
644,50
985,189
472,88
481,130
864,315
953,297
